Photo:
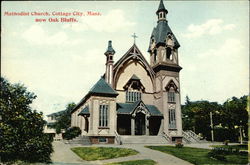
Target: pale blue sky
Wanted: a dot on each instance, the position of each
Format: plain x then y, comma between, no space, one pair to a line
60,62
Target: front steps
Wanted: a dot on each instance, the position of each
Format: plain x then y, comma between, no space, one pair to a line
141,139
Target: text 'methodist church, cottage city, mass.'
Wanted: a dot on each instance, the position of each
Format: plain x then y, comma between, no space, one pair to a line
134,97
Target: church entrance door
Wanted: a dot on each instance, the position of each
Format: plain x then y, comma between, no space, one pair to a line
86,124
140,124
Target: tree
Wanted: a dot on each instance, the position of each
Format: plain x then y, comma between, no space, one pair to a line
64,120
235,115
228,118
21,128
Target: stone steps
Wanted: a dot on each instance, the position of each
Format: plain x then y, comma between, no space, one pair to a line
143,140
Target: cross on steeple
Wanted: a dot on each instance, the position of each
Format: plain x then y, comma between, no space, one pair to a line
134,36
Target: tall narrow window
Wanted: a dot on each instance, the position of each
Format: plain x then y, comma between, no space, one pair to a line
172,119
171,97
155,55
103,116
169,53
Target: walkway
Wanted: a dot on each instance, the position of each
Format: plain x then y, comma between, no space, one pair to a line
63,155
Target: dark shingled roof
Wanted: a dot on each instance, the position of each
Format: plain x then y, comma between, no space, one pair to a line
85,111
128,108
102,87
110,49
161,7
161,32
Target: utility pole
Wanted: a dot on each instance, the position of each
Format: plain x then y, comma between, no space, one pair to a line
212,127
241,139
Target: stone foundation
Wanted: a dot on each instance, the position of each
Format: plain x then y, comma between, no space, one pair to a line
102,139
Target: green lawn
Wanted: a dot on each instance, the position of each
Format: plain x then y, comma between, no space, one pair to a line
199,156
135,162
101,153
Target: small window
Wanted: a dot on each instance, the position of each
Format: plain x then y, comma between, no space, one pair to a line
103,116
171,97
111,58
102,140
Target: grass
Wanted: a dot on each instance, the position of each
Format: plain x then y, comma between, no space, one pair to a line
200,156
135,162
102,153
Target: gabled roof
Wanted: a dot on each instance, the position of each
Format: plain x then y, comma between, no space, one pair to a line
128,108
138,84
133,53
102,87
85,111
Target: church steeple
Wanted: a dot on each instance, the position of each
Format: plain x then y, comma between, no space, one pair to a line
163,46
162,11
109,64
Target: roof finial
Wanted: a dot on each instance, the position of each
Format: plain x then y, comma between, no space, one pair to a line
134,36
161,8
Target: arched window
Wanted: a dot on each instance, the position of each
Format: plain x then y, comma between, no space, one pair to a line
171,89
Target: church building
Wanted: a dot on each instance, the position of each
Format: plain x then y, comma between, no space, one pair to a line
134,97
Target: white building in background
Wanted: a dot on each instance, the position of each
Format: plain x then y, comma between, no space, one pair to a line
52,118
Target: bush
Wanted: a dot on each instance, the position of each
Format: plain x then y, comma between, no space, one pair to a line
179,145
217,153
72,133
226,142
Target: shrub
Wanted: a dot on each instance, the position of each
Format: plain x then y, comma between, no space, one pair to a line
217,153
72,133
226,142
178,145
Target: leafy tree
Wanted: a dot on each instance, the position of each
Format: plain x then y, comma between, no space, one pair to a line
235,115
64,120
21,128
227,118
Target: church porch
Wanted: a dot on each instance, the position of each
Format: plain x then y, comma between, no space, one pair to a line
138,119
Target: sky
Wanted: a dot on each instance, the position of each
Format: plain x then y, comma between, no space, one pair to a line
61,61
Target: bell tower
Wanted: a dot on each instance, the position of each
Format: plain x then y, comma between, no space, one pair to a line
163,47
163,50
109,64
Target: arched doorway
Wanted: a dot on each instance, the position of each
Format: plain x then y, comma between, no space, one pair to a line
140,126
